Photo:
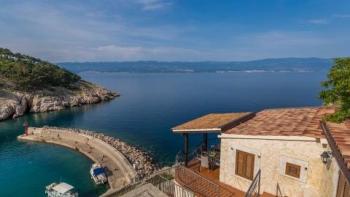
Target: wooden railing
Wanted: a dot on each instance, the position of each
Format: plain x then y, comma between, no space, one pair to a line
254,189
278,191
199,184
196,153
163,180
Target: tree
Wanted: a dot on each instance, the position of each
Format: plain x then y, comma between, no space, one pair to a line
337,90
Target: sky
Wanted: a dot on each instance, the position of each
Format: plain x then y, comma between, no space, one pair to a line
175,30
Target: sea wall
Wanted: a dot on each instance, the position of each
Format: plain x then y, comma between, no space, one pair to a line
15,104
141,161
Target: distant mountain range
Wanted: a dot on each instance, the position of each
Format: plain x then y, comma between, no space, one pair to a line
264,65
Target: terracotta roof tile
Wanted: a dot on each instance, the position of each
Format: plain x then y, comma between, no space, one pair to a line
341,135
297,122
284,122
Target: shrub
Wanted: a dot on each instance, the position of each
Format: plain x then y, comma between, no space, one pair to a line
337,89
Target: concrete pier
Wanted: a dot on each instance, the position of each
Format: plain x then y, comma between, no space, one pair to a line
119,170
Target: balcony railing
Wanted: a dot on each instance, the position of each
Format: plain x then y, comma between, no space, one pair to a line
254,189
213,155
163,180
279,192
199,184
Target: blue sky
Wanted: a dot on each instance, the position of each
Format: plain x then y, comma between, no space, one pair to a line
168,30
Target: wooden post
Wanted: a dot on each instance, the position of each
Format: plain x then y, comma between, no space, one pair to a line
259,182
186,148
205,142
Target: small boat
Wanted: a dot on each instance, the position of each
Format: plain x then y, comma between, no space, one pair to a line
98,174
60,190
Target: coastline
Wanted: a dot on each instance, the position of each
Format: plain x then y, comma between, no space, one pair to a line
14,104
125,163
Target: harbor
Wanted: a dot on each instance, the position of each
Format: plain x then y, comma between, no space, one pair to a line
124,163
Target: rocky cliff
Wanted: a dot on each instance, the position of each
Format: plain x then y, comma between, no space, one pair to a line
16,103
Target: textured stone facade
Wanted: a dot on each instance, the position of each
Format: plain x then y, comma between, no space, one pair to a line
271,154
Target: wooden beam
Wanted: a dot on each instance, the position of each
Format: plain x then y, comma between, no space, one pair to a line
335,151
238,121
205,142
186,147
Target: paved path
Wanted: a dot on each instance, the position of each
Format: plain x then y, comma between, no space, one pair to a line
120,171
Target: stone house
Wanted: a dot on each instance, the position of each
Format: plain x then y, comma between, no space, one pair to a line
274,152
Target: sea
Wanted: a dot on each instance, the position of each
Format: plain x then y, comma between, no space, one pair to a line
149,106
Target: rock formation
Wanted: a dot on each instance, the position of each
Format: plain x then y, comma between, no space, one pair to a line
15,104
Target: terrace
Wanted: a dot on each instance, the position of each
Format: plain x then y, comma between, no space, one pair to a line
203,181
201,171
211,123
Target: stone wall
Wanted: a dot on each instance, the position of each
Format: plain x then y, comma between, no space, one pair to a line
141,161
271,153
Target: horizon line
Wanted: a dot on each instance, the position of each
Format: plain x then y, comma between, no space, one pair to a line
192,61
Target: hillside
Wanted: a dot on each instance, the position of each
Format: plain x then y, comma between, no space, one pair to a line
23,72
28,84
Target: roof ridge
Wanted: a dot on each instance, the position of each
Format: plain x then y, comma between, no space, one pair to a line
288,108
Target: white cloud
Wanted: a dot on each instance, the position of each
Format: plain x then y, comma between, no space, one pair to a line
341,15
328,20
281,44
318,21
120,53
246,47
154,4
62,35
86,33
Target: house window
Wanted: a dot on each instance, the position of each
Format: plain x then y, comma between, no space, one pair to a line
293,170
245,164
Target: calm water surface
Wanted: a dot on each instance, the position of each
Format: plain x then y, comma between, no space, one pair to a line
150,104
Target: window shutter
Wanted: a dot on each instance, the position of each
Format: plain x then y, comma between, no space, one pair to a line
293,170
250,166
240,163
245,164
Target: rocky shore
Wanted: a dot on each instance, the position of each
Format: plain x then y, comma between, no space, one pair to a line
141,161
14,103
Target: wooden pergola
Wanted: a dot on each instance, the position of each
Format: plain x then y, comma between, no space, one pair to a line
210,123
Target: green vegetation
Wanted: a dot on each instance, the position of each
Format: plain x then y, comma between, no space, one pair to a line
28,73
337,89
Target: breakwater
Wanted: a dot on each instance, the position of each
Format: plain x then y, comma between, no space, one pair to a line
141,160
125,164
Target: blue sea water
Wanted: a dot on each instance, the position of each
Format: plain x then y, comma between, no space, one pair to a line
150,104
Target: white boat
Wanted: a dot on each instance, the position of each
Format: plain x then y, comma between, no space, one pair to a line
60,190
98,174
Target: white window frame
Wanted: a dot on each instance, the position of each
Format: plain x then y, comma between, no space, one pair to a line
304,165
